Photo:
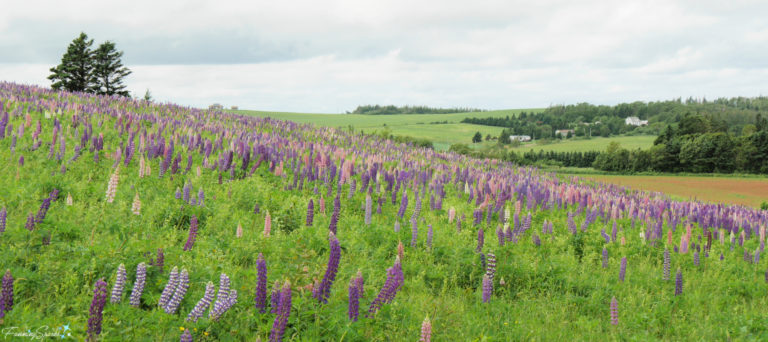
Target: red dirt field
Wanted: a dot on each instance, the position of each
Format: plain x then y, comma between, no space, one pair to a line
746,191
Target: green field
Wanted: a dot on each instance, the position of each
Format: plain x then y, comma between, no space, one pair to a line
594,144
416,125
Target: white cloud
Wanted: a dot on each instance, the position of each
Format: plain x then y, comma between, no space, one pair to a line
330,56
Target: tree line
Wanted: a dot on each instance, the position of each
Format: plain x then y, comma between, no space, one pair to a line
696,144
98,71
391,110
600,120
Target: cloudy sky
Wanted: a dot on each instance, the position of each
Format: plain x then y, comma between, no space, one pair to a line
330,56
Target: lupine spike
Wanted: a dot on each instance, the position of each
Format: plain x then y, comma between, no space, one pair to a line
96,310
666,264
138,285
117,289
170,288
7,293
186,336
324,291
614,311
487,288
283,312
192,233
203,304
605,257
426,330
623,269
179,293
267,224
679,283
261,286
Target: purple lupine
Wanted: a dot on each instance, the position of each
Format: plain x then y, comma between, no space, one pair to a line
397,226
490,268
274,299
138,285
614,311
201,198
679,283
30,225
500,235
310,212
283,312
192,233
426,330
96,310
222,297
696,258
623,269
3,217
403,205
7,293
388,291
536,240
187,191
170,288
178,295
117,289
186,336
414,232
160,261
666,264
354,301
605,257
335,215
203,303
324,291
480,239
429,236
261,285
487,288
178,193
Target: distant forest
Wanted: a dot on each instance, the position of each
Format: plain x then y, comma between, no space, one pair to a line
392,110
586,119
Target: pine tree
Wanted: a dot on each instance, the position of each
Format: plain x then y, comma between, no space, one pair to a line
108,71
76,68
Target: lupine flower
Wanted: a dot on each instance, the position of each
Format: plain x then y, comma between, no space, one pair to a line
310,212
160,262
239,231
117,289
230,301
623,269
679,283
3,216
400,250
97,307
30,225
222,297
203,303
403,205
614,311
414,232
7,293
368,209
605,257
451,214
490,266
696,258
388,291
267,224
170,288
186,336
192,233
536,240
480,239
429,236
138,285
69,199
666,264
283,312
136,207
261,285
178,193
274,300
112,186
500,236
335,216
179,293
397,226
324,291
487,288
426,330
354,300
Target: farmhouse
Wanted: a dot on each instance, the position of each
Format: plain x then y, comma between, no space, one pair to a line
564,132
521,138
216,106
635,121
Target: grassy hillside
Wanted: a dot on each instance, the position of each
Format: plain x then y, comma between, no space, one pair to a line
415,125
481,249
594,144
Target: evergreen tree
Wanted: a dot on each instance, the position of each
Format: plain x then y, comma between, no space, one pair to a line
109,71
147,96
75,73
477,138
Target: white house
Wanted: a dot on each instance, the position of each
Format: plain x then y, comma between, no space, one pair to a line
564,132
521,138
635,121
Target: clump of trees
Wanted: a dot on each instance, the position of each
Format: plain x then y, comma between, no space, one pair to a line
698,144
98,71
391,110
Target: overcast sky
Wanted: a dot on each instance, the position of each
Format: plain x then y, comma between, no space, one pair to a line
330,56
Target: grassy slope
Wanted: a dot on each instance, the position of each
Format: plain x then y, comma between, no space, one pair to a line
417,125
594,144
